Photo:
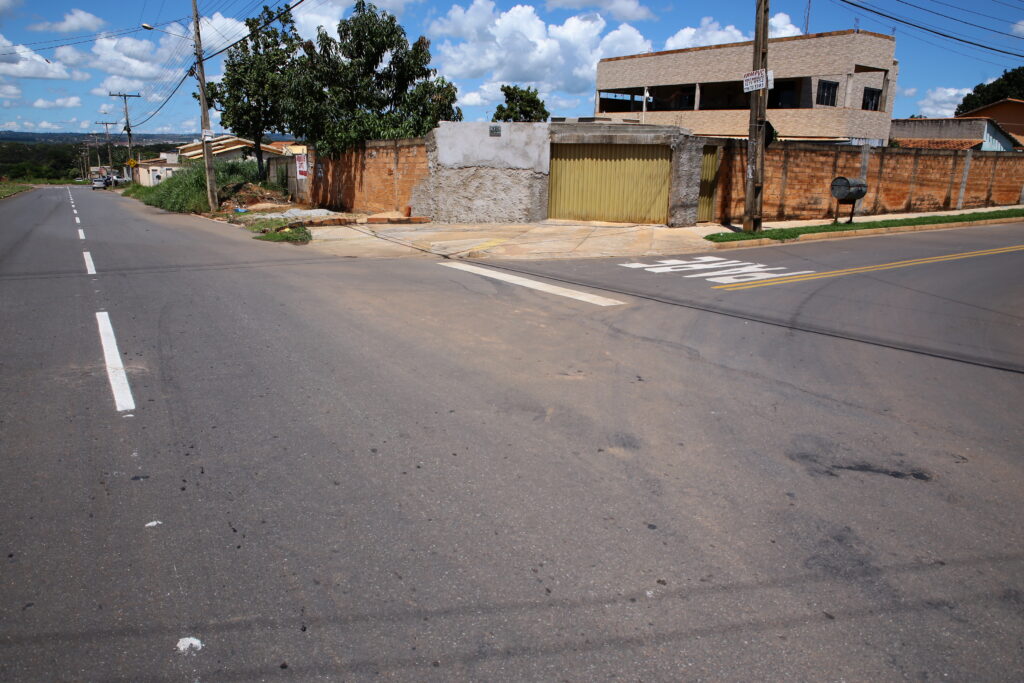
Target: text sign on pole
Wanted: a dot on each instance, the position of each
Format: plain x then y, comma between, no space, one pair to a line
755,80
301,166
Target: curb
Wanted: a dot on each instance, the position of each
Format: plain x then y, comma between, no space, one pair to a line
840,234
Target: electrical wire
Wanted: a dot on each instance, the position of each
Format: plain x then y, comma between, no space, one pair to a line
966,23
929,30
964,9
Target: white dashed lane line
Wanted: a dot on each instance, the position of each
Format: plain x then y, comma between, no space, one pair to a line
81,234
115,369
90,268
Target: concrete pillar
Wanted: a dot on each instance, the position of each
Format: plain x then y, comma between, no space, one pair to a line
696,97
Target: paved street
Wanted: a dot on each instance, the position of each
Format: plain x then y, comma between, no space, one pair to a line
227,460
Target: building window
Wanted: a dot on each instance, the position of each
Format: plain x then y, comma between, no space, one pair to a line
872,98
827,93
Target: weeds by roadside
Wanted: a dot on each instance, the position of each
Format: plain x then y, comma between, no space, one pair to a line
298,234
792,233
8,189
185,191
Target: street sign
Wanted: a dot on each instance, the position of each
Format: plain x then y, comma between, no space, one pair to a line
755,80
133,163
207,134
758,80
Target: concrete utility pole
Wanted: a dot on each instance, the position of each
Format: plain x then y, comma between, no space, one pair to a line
127,121
754,190
110,157
211,182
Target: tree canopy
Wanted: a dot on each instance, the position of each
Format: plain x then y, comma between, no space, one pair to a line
257,74
1010,84
521,104
369,83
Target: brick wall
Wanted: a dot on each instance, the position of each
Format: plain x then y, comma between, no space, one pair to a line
378,177
798,175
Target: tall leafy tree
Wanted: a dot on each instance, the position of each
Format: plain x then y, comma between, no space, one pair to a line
521,104
1010,84
369,83
257,74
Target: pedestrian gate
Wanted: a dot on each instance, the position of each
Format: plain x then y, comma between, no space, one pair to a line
708,181
616,183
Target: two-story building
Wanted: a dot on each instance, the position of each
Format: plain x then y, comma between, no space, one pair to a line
836,86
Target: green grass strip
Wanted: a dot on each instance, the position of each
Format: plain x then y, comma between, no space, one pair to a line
782,234
7,189
299,234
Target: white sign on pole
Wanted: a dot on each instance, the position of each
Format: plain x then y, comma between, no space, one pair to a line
207,134
755,80
301,167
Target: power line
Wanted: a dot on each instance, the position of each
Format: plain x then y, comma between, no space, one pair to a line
980,14
967,23
929,30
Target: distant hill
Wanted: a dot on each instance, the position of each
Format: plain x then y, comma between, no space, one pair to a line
120,139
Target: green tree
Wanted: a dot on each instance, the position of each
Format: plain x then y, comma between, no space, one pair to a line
521,104
257,74
1010,84
368,84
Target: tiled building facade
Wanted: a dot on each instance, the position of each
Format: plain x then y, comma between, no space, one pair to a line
837,85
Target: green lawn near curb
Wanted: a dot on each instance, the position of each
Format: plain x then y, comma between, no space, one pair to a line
7,189
782,234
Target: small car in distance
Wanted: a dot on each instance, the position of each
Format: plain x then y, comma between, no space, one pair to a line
100,183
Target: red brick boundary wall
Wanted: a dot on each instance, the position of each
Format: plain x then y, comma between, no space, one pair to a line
798,175
377,177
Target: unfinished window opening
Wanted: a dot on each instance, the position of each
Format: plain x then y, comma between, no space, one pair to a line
827,93
872,99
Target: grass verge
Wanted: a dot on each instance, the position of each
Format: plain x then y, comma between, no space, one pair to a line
263,225
781,234
7,189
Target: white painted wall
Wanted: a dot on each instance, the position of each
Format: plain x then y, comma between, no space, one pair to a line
468,144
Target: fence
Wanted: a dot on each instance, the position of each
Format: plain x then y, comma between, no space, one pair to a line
797,178
285,166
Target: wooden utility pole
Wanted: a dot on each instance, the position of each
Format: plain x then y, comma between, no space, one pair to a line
211,181
753,196
110,157
127,121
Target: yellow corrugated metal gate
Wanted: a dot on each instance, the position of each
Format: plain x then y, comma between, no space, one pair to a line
708,181
617,183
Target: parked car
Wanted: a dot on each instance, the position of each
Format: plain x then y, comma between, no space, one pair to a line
100,183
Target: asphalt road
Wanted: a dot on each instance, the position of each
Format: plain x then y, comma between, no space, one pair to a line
369,468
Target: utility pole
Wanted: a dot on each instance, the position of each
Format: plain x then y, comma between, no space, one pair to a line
110,157
807,18
127,121
754,189
211,181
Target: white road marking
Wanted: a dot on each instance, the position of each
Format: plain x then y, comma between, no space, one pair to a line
155,522
716,269
90,268
81,234
115,369
77,219
534,284
185,645
73,210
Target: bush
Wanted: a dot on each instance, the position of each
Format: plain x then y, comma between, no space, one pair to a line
185,191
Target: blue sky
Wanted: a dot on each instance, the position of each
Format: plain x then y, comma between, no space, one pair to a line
59,59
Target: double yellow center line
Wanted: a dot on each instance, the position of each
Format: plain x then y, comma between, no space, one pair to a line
870,269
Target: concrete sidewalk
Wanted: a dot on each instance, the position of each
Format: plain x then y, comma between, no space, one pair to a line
550,239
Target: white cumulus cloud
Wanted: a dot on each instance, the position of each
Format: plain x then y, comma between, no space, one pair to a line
116,84
1018,28
105,109
940,103
906,92
60,102
623,10
8,91
76,20
711,32
9,125
21,62
516,46
46,125
66,54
